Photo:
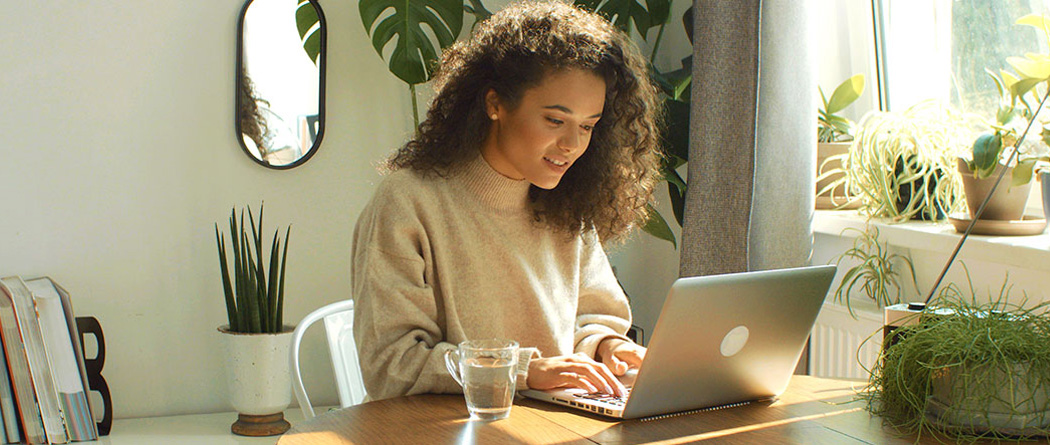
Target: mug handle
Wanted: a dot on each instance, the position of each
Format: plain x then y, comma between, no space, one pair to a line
453,365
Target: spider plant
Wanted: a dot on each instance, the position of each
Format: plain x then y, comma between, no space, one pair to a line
254,294
902,165
878,272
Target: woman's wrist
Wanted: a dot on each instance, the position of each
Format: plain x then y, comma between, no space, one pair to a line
606,346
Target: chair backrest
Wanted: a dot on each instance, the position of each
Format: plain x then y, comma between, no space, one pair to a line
339,321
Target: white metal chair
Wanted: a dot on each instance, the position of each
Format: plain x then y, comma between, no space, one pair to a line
339,322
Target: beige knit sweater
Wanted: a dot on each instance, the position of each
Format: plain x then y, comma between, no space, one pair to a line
437,261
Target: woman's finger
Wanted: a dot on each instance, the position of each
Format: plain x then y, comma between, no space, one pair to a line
600,376
633,356
617,366
575,380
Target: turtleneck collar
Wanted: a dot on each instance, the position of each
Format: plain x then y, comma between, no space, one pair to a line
493,189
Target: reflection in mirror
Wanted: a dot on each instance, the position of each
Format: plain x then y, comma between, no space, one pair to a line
280,81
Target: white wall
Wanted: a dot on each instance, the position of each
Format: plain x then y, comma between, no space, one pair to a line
119,155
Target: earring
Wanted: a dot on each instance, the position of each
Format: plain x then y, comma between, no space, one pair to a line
494,116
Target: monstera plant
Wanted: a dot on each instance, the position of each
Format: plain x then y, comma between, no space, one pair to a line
306,21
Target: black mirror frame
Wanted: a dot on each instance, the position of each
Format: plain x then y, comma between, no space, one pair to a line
321,64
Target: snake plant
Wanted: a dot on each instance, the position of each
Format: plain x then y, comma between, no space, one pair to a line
254,294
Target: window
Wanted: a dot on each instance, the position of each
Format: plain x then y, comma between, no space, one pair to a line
931,49
941,49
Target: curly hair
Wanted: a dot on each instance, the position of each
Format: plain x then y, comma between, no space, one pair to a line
251,120
609,186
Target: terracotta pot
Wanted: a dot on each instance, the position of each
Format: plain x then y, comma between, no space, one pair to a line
257,370
1007,202
836,199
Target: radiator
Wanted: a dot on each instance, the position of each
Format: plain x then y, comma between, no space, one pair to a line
840,346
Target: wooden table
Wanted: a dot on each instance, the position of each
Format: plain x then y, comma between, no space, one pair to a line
811,411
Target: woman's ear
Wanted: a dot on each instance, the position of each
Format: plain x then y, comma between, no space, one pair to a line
492,104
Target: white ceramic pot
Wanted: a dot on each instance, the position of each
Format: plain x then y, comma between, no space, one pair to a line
257,371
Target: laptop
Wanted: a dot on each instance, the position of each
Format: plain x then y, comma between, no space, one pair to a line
721,340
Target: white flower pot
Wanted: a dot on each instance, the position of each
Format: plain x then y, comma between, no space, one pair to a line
259,380
981,398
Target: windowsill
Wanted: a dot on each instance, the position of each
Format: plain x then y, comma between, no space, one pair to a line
1022,251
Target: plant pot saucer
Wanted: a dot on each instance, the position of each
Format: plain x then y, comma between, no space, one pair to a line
1026,226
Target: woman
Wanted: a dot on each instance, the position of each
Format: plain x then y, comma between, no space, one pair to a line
539,145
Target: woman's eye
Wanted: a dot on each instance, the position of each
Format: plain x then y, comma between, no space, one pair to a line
555,121
587,128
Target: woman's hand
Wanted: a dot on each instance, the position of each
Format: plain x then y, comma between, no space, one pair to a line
620,355
573,371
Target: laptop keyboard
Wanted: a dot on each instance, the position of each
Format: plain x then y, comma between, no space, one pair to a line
607,398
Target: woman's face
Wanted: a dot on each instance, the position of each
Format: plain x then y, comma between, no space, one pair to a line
548,130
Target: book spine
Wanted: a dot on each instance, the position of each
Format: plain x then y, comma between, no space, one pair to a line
18,364
39,365
7,403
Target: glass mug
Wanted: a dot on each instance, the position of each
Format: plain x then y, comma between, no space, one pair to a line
486,369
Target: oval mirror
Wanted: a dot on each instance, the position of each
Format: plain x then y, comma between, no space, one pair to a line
280,81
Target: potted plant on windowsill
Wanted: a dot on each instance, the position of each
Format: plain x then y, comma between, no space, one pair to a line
902,165
834,136
993,152
257,340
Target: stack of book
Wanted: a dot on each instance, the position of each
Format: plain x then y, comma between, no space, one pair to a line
43,381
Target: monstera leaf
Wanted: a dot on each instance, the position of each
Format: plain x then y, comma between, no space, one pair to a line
306,21
623,12
414,51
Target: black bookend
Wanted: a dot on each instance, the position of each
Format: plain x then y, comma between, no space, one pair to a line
90,325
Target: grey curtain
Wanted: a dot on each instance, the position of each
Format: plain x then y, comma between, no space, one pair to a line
749,204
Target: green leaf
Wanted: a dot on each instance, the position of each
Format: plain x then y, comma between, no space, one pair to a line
999,83
682,87
675,136
1031,66
659,11
306,18
478,10
846,93
414,53
280,288
1022,173
624,13
1037,21
657,226
231,306
677,195
670,173
986,152
271,291
259,270
1023,86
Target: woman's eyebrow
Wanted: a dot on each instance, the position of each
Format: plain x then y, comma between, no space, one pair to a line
566,110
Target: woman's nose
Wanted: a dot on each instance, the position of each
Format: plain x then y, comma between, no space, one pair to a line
570,141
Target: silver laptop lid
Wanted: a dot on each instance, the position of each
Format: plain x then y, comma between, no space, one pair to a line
730,338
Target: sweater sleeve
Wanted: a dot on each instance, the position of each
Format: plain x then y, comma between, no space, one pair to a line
603,310
398,324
